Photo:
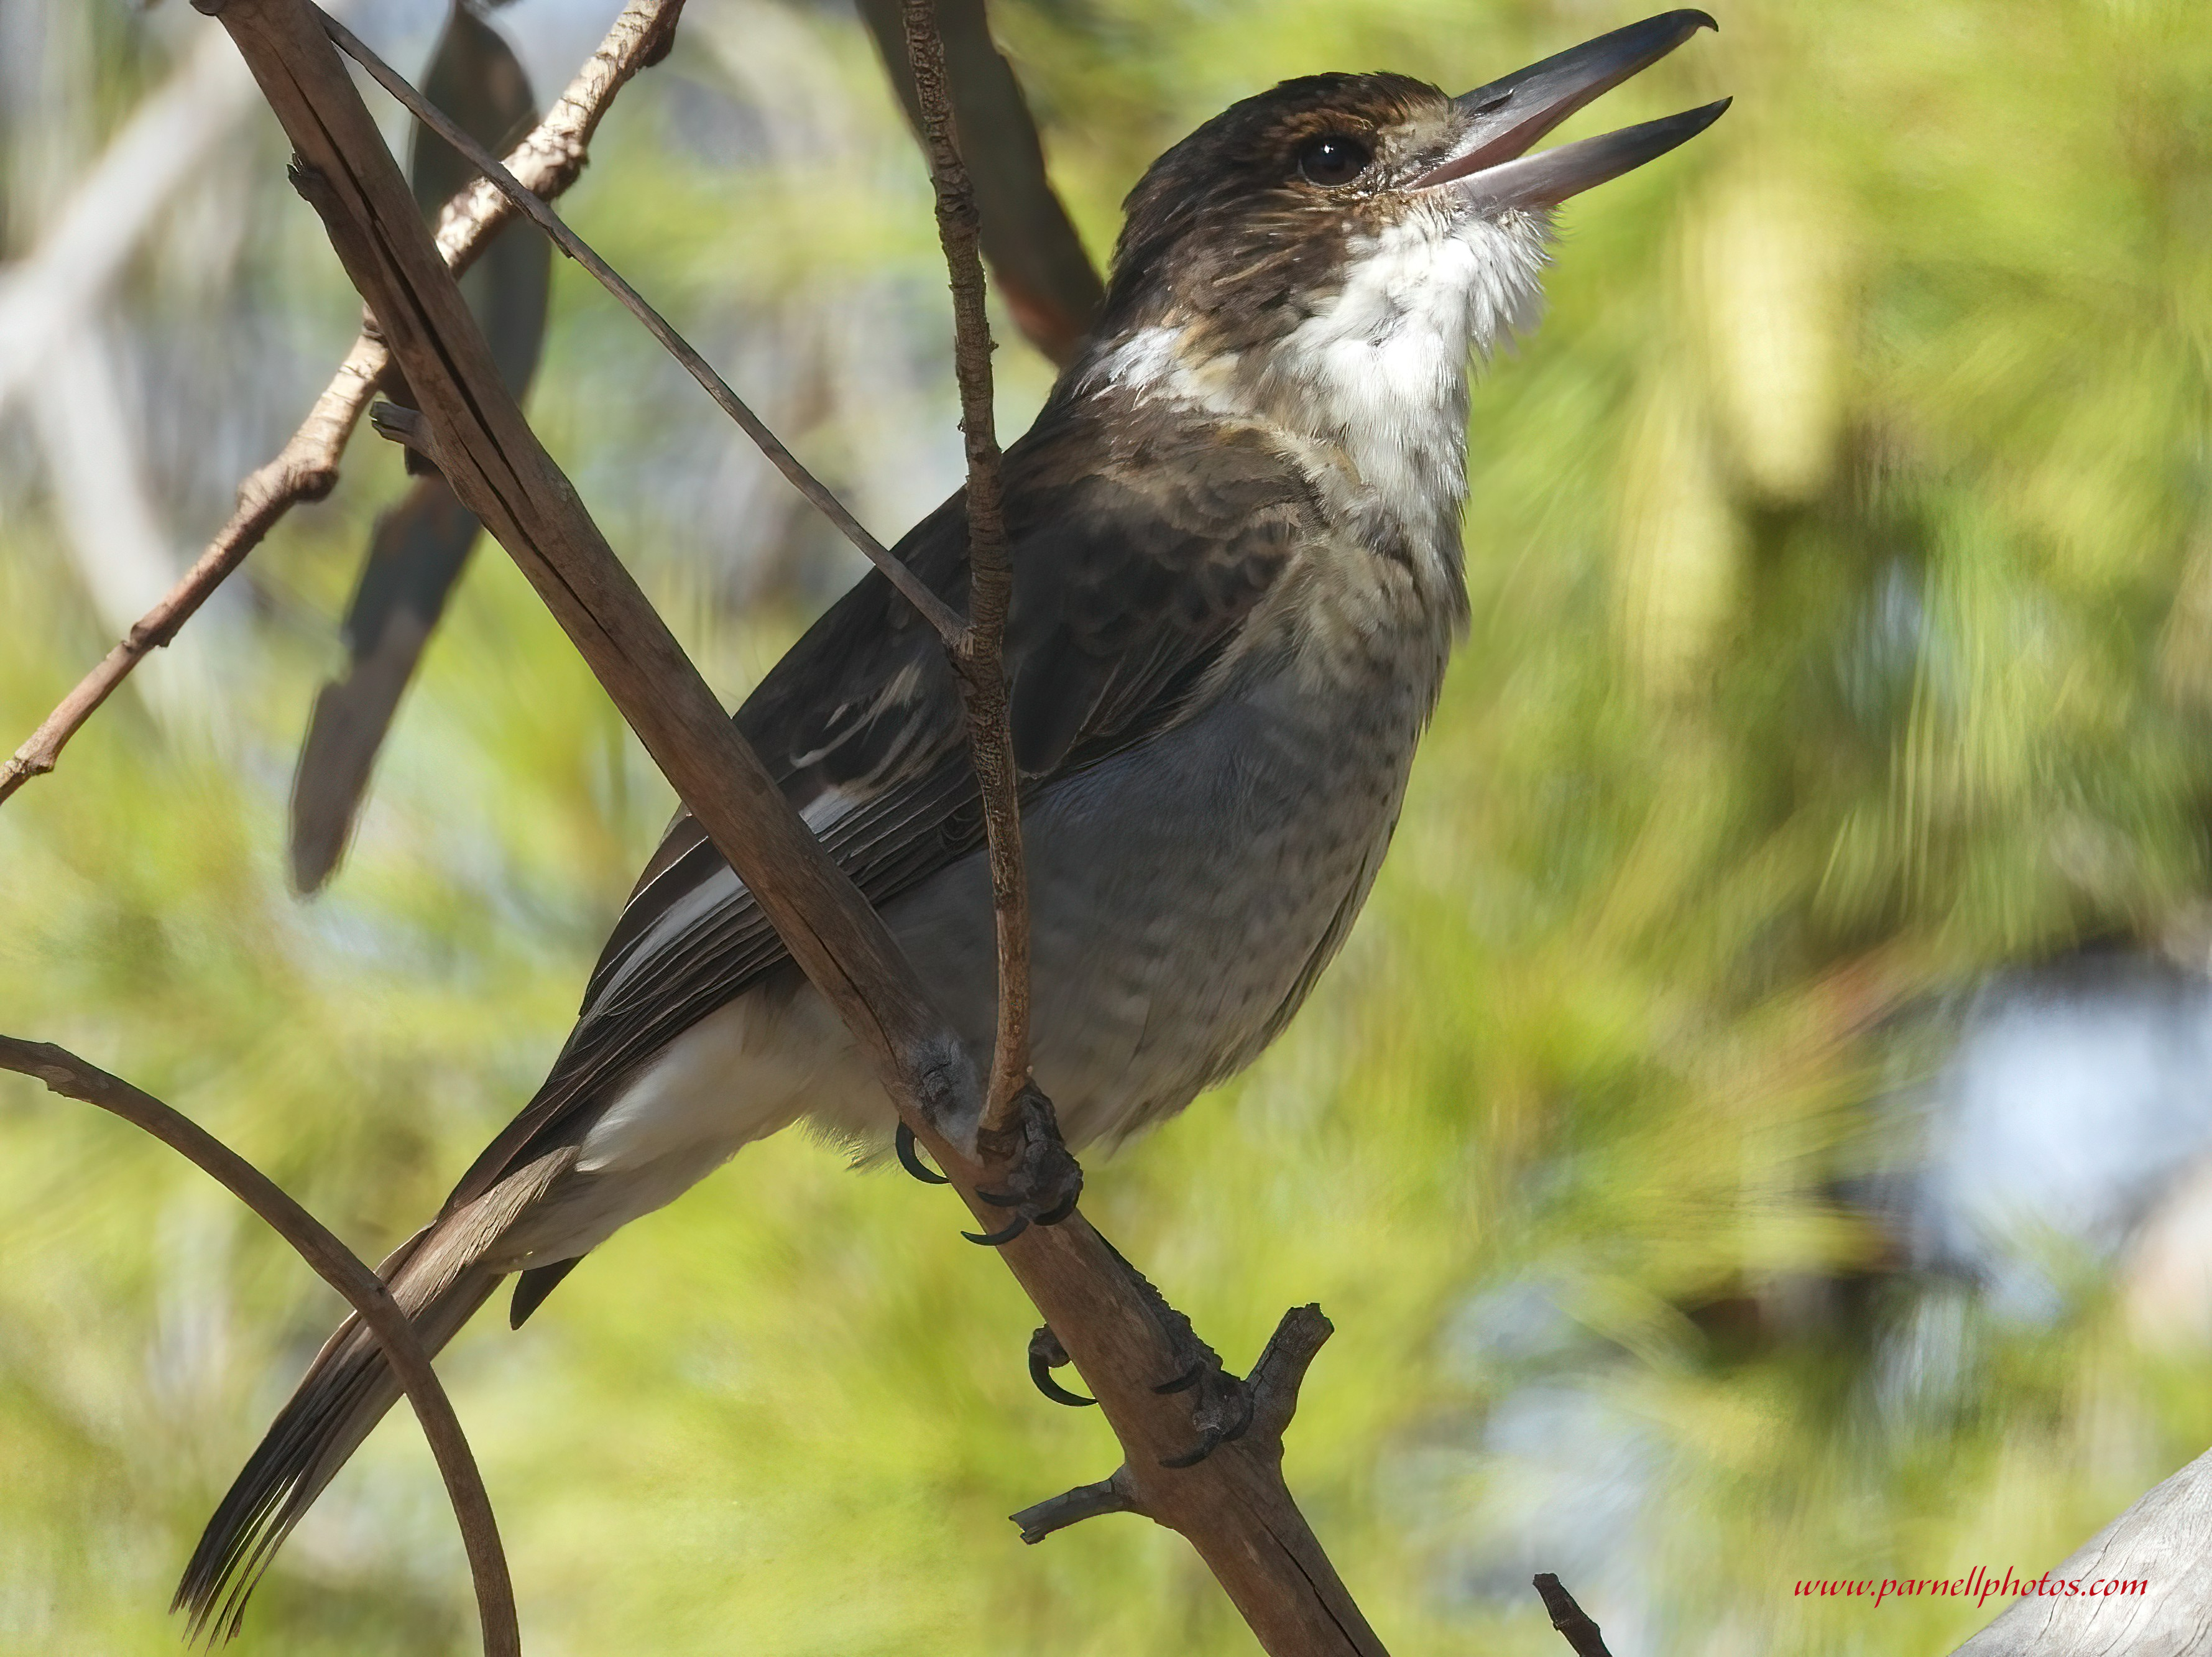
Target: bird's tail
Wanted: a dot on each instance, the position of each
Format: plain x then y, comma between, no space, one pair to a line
439,1278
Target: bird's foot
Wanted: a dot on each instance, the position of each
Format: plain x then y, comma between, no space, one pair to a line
1034,1176
1221,1404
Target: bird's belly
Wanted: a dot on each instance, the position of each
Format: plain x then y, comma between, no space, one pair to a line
1181,897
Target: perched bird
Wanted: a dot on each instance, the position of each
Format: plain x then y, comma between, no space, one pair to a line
1235,533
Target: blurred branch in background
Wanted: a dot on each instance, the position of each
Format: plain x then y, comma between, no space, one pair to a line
46,295
98,477
65,1073
552,157
56,354
1048,281
420,547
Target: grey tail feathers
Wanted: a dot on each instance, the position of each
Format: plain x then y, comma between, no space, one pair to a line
344,1393
439,1276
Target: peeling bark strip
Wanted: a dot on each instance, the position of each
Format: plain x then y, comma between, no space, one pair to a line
978,658
549,161
66,1073
1232,1507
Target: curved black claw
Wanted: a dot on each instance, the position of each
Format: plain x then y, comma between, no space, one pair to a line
1041,1373
998,1199
1208,1442
1060,1211
910,1158
1184,1382
993,1239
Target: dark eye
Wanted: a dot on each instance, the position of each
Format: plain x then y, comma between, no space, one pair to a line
1334,158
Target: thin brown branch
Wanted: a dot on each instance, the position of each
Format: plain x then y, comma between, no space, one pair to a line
1232,1506
939,615
979,656
65,1073
1572,1622
303,470
550,157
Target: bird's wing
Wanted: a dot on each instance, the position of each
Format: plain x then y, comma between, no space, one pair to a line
1137,561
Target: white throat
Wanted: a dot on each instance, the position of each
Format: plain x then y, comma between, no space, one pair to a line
1376,377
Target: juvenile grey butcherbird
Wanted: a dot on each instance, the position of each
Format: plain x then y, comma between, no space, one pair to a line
1236,531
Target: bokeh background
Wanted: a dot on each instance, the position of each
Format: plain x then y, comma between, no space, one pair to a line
1761,1129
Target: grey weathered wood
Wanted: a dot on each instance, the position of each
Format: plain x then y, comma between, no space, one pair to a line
2165,1540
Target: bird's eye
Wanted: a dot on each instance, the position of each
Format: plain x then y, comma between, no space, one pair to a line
1334,158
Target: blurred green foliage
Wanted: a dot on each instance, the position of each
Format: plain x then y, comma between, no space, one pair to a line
1843,589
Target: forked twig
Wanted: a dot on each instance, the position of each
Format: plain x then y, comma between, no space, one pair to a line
65,1073
939,614
305,469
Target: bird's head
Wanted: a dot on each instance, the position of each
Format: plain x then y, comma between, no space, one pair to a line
1367,212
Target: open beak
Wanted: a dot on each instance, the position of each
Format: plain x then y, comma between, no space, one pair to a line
1490,167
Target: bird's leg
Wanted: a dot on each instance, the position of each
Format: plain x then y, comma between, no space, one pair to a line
1040,1182
1034,1176
1222,1405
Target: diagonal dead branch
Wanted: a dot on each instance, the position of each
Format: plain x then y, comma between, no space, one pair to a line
939,615
979,655
1233,1506
65,1073
550,158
